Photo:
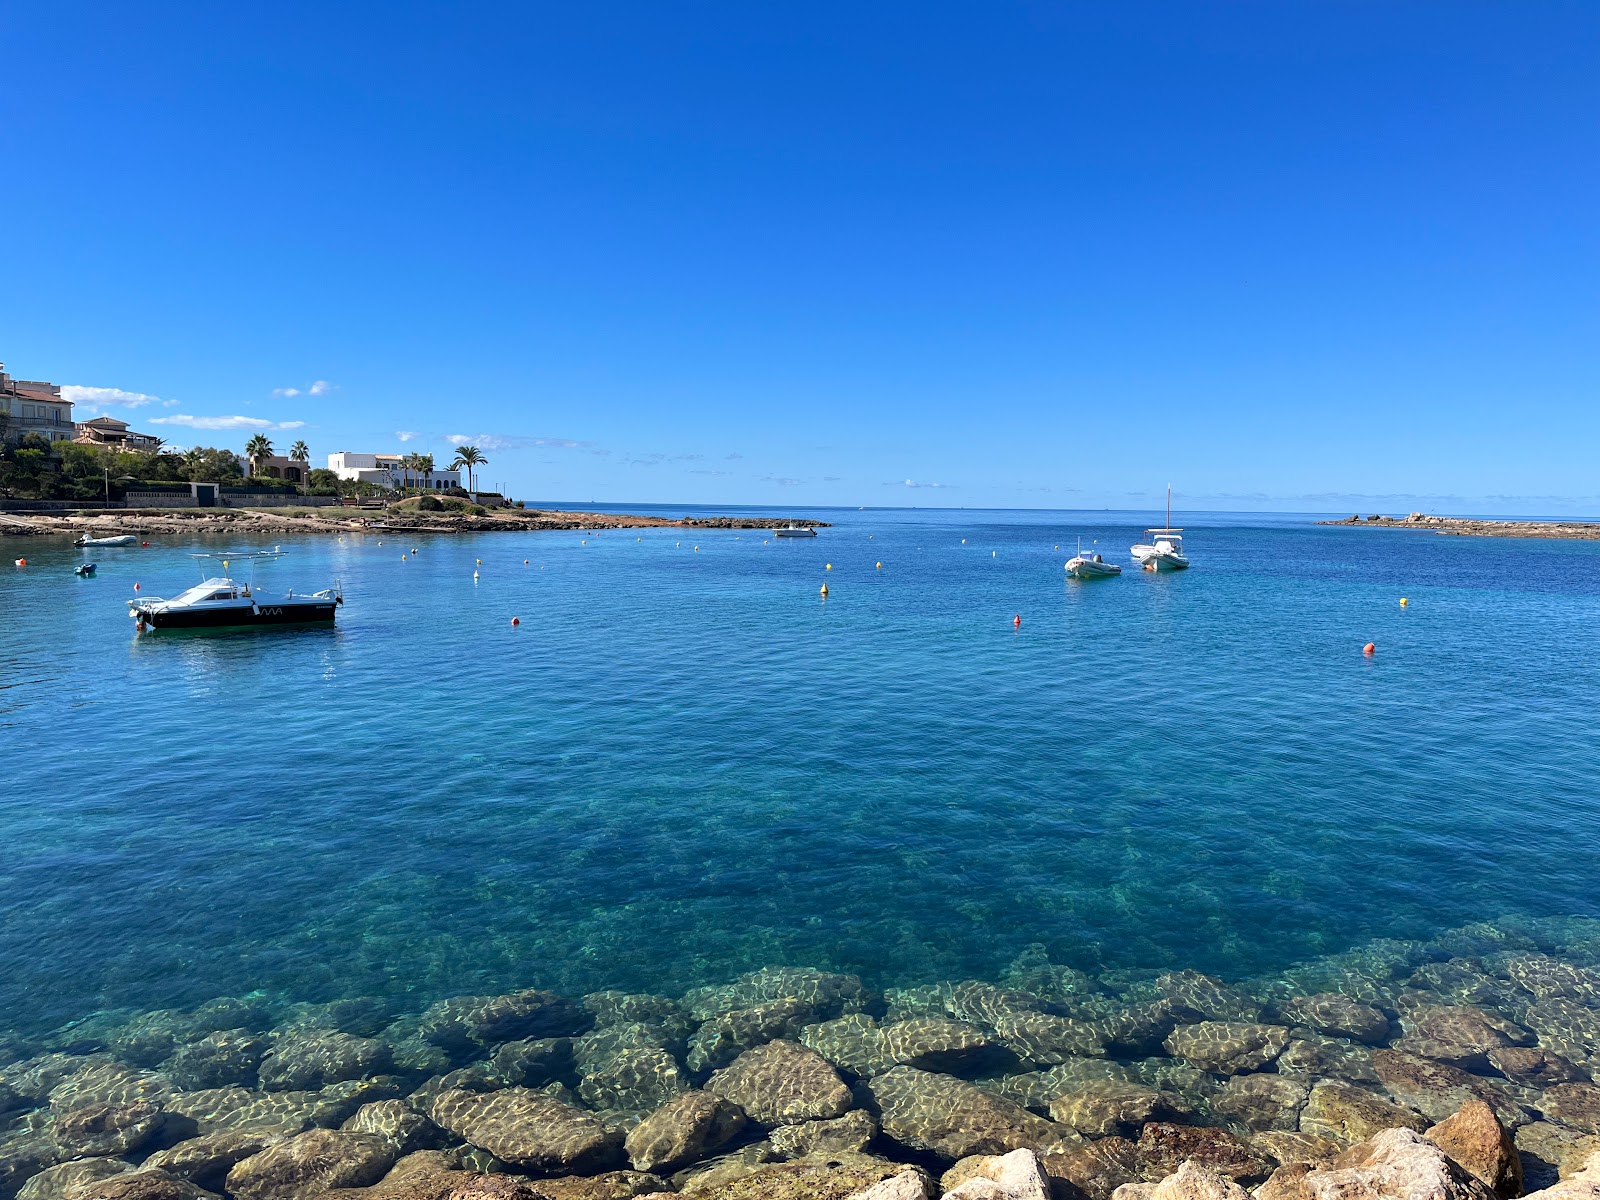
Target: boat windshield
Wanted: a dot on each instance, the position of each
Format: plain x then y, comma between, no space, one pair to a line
211,589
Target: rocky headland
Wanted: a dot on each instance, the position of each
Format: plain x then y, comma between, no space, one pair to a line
160,522
1456,1069
1472,527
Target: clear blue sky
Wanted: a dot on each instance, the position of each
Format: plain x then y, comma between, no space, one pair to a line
1289,255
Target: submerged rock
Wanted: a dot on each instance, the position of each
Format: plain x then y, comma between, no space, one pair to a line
853,1043
464,1023
533,1062
949,1117
65,1179
1462,1035
1576,1104
318,1057
1095,1169
682,1131
530,1129
1263,1102
207,1159
849,1134
826,994
1348,1114
722,1038
781,1083
937,1044
1099,1107
223,1058
1534,1066
627,1067
310,1163
402,1126
1198,997
834,1177
1548,977
1437,1089
143,1184
1338,1015
1227,1047
1164,1147
108,1129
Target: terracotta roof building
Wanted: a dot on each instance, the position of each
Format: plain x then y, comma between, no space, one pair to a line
114,434
31,406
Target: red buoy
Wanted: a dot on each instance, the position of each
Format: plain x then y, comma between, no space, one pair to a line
516,620
1370,649
136,587
1017,623
146,545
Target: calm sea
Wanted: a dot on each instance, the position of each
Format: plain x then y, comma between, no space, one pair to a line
686,763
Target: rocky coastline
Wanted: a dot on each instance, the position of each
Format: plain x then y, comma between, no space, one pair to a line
1471,527
1455,1069
342,521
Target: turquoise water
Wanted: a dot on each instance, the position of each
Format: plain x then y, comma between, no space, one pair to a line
683,765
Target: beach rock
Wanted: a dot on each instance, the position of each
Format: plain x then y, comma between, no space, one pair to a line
1475,1139
1284,1183
1227,1047
424,1175
1262,1102
316,1058
1289,1146
1548,977
949,1117
908,1185
463,1023
1397,1164
833,1177
1018,1175
722,1038
1039,1038
1164,1147
1461,1035
66,1179
1101,1107
402,1126
1319,1057
610,1185
1464,981
1437,1089
937,1044
724,1168
1347,1114
529,1129
223,1058
1338,1015
206,1160
310,1163
1542,1147
1535,1066
853,1043
782,1082
107,1129
1093,1169
626,1067
682,1131
1190,1181
1576,1104
533,1062
826,994
849,1134
1197,997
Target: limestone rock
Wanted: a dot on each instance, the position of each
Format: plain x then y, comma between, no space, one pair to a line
1534,1066
1287,1146
108,1083
1140,1028
1576,1104
610,1185
1570,1029
1338,1015
724,1168
318,1057
849,1134
1190,1181
144,1184
1284,1183
936,1044
1583,1157
853,1043
1094,1169
223,1058
310,1163
1165,1147
829,1178
1263,1101
1475,1139
628,1008
464,1022
1462,1035
952,1118
908,1185
682,1131
1018,1175
782,1082
530,1129
397,1122
206,1160
66,1179
1100,1107
1227,1047
108,1129
724,1037
1318,1057
1543,1147
1397,1164
1437,1089
238,1108
1348,1114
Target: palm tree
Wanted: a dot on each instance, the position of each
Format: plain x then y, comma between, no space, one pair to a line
469,457
300,452
256,449
424,468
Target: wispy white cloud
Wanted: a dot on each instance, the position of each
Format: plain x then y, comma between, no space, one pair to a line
93,399
912,483
707,471
190,421
282,393
782,480
512,441
734,457
320,388
406,435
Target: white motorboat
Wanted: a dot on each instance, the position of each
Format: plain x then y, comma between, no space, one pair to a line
221,602
1091,565
794,531
122,539
1164,550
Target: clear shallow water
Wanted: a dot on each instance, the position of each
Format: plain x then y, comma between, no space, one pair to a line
686,765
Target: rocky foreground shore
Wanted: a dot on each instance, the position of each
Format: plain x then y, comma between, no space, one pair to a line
1464,527
1459,1069
159,522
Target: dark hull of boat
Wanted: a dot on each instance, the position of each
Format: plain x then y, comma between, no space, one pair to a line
289,613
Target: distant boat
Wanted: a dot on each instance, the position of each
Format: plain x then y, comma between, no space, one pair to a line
1090,566
84,569
1164,551
794,531
121,539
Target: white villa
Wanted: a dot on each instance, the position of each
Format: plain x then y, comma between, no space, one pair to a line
385,471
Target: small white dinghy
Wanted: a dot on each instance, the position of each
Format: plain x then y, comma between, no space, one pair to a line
122,539
1091,565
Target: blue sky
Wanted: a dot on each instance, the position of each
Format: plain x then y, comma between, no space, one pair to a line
1291,255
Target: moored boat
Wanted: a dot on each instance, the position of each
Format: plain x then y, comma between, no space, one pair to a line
219,602
121,539
1164,550
1091,565
794,531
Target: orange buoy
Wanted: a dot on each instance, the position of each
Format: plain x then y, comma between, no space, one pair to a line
516,620
22,562
1370,649
1017,621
